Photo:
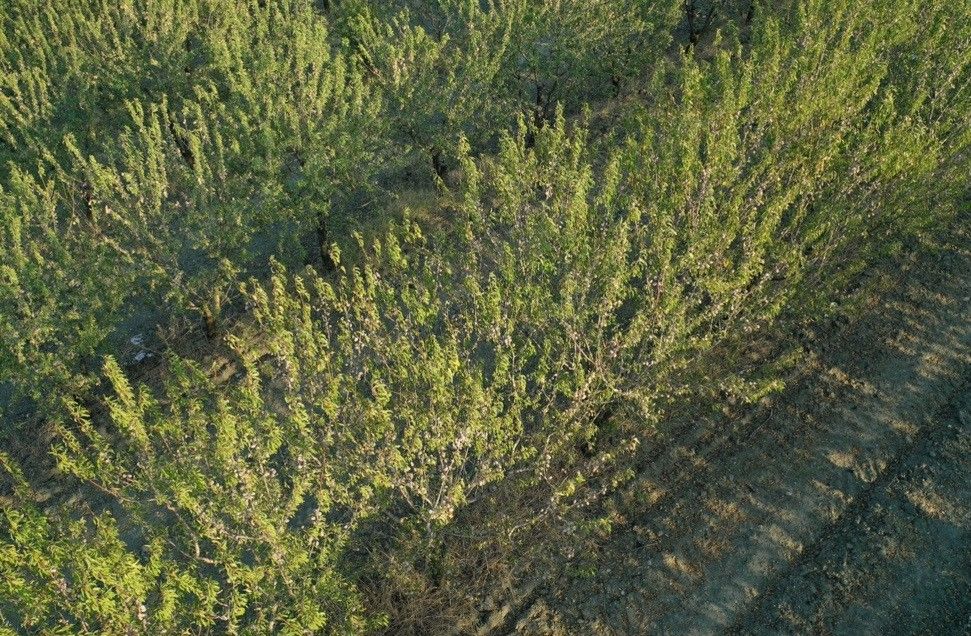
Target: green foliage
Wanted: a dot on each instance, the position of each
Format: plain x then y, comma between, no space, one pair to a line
47,264
169,145
237,492
579,287
442,66
384,367
454,68
574,51
60,575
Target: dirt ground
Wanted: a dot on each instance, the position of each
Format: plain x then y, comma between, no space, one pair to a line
844,507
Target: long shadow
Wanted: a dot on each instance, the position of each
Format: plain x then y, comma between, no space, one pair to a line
720,527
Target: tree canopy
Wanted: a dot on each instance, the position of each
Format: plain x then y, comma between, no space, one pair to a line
609,202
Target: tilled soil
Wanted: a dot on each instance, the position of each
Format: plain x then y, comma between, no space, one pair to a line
844,508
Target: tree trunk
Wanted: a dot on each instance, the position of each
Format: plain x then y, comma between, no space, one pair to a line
696,27
691,16
87,205
210,324
323,243
539,112
438,164
181,145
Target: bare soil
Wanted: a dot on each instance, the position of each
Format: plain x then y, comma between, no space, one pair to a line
842,507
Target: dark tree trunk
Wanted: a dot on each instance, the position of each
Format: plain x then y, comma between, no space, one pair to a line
182,145
539,113
87,202
187,69
323,244
210,324
438,164
691,18
696,27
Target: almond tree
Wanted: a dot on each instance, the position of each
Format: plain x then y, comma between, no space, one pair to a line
154,151
582,289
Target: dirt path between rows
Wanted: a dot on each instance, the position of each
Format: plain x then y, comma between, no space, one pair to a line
845,509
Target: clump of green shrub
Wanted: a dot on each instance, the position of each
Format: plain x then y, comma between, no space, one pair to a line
579,286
